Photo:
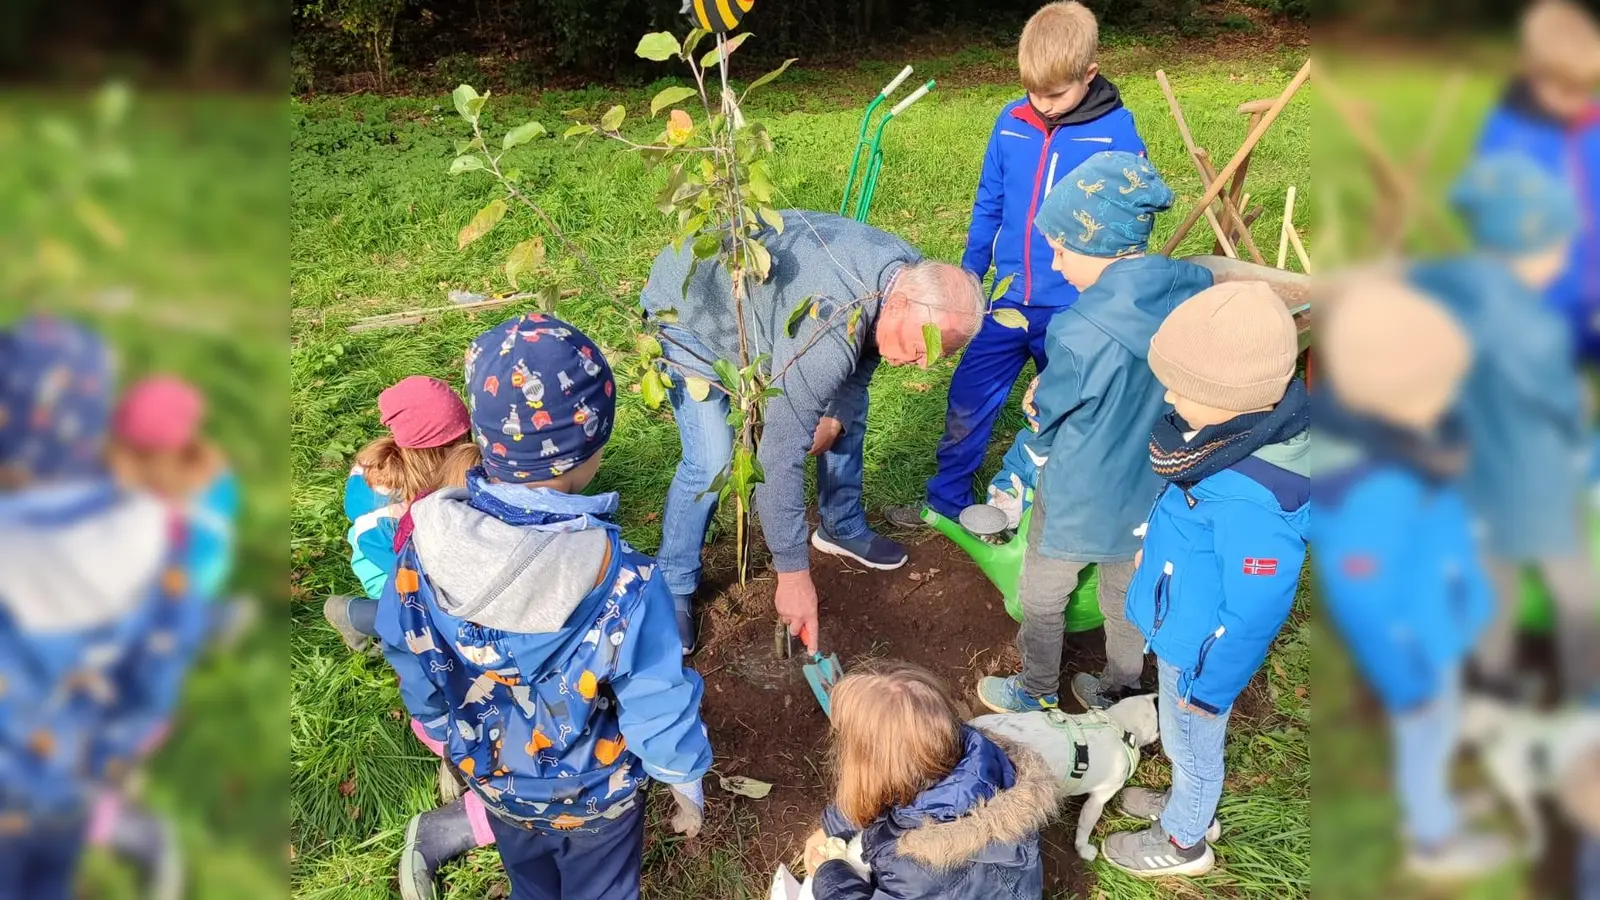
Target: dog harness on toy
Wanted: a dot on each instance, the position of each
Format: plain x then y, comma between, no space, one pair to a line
1078,728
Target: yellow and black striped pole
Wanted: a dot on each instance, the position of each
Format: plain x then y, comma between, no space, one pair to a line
720,16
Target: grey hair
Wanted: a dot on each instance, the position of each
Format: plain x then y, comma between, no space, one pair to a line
950,293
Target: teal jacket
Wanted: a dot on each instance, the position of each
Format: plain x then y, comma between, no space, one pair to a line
1097,402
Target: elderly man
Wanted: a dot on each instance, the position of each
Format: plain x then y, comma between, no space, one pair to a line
822,369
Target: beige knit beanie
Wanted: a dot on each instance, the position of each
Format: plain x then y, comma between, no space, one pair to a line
1392,352
1232,346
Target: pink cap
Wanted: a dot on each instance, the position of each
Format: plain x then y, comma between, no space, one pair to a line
423,412
159,413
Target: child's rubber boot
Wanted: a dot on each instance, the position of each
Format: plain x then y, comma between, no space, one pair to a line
1095,692
905,516
151,844
1151,853
1465,857
871,549
337,611
683,608
1006,695
1147,804
432,839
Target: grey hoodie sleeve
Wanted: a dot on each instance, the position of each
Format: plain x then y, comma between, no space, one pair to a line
809,387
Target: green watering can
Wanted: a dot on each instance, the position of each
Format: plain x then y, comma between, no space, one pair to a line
1002,563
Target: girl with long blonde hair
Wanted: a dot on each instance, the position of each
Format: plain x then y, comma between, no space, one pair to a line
932,806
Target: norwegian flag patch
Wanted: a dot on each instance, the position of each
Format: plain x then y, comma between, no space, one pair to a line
1254,565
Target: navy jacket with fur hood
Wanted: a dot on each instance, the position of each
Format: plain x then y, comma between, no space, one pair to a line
972,836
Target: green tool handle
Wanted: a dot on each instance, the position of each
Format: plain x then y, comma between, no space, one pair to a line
869,182
861,135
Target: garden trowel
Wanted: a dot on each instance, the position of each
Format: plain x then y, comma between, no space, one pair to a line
822,673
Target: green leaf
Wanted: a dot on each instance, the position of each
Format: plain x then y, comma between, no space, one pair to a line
657,45
1001,286
463,147
579,128
698,388
522,134
760,185
653,389
670,96
461,164
549,297
795,315
668,316
513,175
612,120
467,101
679,127
692,40
707,245
1010,318
767,78
648,346
761,260
933,342
719,485
773,218
482,223
727,374
714,56
525,257
850,325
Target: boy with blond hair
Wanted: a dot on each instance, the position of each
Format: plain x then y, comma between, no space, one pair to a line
1549,114
1070,112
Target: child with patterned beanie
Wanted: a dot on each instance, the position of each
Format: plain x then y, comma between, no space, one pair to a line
532,641
1222,550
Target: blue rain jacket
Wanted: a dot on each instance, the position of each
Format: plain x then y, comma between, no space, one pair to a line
373,516
1025,159
542,650
1097,402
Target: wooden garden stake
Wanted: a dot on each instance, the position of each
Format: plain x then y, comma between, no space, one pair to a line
1229,211
1283,231
1243,152
1299,249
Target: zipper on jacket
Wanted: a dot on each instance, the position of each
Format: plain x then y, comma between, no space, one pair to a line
1163,597
1033,210
1205,649
1050,176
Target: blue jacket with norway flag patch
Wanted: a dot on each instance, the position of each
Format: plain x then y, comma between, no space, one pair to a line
542,651
1025,159
1220,569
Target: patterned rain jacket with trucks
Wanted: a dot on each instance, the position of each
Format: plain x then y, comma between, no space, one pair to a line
540,649
1025,159
98,626
1220,569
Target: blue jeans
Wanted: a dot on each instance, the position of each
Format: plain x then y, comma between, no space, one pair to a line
41,863
707,440
600,863
1193,743
1424,745
978,391
1588,875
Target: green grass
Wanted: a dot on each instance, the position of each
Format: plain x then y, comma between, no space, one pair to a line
373,223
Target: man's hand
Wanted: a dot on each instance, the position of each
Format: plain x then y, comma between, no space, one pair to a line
828,431
796,601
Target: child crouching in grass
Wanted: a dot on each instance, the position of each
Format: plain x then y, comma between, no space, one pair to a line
942,811
1398,562
428,447
533,642
1222,549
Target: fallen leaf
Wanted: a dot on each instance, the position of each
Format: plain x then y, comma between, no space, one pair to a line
744,787
918,386
347,787
915,576
1300,692
396,714
932,572
652,517
497,891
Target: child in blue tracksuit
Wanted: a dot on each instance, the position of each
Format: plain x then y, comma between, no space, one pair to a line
1070,113
1096,403
428,447
1522,408
98,616
1549,114
1222,549
1397,564
536,644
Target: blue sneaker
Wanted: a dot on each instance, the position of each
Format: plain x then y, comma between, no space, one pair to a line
871,549
1006,695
